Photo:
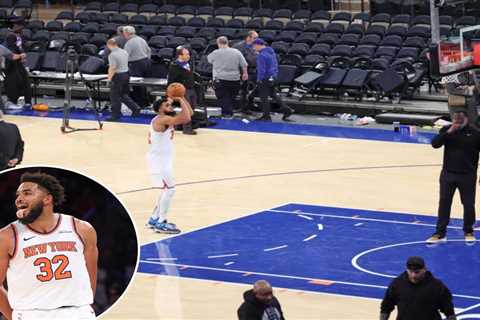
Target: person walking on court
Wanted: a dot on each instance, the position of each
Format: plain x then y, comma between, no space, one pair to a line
11,146
246,48
227,63
460,161
260,303
17,82
267,72
139,58
119,76
418,295
180,71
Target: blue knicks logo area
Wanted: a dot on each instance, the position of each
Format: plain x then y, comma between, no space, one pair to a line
321,249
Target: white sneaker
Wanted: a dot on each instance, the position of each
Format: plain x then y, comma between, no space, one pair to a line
436,238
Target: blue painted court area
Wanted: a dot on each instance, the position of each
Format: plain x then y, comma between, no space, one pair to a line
264,127
321,249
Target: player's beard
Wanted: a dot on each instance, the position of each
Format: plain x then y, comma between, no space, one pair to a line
170,113
34,213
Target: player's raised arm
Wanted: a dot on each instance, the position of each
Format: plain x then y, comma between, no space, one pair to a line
181,118
6,249
90,251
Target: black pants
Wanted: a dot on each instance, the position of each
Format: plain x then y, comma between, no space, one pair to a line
466,184
268,89
191,97
119,92
17,83
140,68
246,98
226,92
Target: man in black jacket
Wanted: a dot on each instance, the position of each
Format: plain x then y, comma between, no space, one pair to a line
248,52
17,82
417,295
460,162
181,71
11,146
260,304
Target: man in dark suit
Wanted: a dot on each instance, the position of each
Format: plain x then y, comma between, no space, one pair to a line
180,70
11,148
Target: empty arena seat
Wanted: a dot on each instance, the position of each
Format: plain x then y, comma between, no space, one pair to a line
309,38
321,49
392,41
284,15
321,16
314,27
243,13
186,11
381,19
402,20
274,25
349,39
302,15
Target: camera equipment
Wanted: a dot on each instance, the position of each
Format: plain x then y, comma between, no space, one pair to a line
71,68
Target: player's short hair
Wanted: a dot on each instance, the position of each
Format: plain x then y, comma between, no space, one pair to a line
47,182
158,103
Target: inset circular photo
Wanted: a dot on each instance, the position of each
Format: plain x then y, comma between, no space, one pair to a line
68,247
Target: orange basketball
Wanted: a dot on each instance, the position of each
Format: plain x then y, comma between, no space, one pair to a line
176,90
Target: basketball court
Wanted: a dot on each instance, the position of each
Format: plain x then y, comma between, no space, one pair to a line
327,214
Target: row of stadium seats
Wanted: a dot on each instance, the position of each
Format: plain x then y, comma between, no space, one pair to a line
141,14
255,24
310,33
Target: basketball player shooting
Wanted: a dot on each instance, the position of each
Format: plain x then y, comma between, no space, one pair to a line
160,154
49,259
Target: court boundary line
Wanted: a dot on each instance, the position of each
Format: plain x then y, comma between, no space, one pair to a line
273,275
360,218
461,310
145,274
278,174
357,266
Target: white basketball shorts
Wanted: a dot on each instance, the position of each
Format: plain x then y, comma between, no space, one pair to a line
65,313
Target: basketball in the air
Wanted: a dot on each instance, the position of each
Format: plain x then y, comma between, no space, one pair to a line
176,90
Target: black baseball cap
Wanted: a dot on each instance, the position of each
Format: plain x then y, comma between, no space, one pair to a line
415,263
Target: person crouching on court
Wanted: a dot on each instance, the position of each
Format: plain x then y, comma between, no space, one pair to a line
418,295
160,157
181,71
267,72
460,161
119,77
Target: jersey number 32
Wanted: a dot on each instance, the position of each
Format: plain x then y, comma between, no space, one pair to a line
53,268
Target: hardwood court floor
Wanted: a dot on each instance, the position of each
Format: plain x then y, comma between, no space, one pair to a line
116,158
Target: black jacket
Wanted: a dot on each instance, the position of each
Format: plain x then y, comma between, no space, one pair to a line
421,301
252,309
11,144
461,149
177,73
248,53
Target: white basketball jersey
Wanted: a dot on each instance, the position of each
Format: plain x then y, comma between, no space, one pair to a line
48,271
160,155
